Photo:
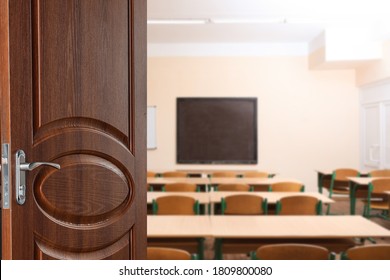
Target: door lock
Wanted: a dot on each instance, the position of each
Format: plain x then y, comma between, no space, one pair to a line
20,174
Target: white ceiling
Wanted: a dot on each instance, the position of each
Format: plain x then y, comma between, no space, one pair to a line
293,21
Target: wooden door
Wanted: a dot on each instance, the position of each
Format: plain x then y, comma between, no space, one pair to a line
76,96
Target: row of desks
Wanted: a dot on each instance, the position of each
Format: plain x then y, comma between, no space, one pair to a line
215,197
216,181
259,184
243,233
264,227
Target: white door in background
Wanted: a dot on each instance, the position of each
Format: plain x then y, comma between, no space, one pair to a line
371,136
375,126
386,150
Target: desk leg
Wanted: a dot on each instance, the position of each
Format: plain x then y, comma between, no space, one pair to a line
201,248
218,249
352,197
320,181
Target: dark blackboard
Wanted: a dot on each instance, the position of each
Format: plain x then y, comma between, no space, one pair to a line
217,130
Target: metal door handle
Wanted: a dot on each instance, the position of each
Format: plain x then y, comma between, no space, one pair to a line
20,174
33,165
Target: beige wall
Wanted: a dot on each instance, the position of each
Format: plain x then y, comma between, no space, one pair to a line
375,71
307,119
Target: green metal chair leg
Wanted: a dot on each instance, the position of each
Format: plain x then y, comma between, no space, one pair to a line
218,249
201,248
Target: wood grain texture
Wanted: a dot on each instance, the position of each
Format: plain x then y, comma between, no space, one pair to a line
5,133
78,87
81,51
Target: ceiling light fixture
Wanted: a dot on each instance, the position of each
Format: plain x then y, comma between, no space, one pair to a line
178,21
247,20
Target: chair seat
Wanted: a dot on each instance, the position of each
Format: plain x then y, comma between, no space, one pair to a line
380,205
235,246
341,191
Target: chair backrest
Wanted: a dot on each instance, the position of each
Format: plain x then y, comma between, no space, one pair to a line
175,205
161,253
255,174
379,186
233,187
380,173
342,174
298,205
180,187
368,252
176,174
292,252
151,174
243,204
287,187
221,174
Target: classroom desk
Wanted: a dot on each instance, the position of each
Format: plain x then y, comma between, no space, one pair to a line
208,172
182,232
201,197
215,197
358,188
323,175
158,181
238,231
259,184
178,226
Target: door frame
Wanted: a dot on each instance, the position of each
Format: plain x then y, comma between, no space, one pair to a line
139,75
5,127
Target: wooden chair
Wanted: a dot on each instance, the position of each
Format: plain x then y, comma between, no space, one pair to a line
180,187
175,205
299,205
287,187
221,174
243,204
255,174
233,187
162,253
377,199
151,174
174,174
368,252
292,252
339,183
379,173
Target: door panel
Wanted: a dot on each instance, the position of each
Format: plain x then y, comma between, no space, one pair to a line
371,134
386,120
78,98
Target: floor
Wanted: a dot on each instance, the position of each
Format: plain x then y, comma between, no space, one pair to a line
339,208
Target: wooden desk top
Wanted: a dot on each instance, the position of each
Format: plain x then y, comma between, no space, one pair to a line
295,227
164,181
330,172
363,180
178,226
202,197
211,171
251,181
272,197
263,227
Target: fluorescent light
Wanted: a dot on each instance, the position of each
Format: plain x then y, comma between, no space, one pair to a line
178,21
247,20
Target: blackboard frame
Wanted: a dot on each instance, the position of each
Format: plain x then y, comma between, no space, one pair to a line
225,130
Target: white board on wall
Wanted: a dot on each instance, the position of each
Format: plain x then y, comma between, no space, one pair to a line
151,128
